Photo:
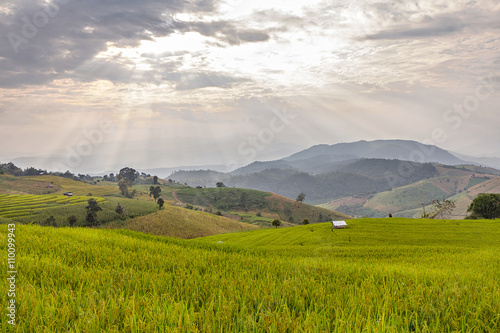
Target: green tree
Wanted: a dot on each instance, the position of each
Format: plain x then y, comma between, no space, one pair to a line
72,220
486,206
155,192
305,221
276,223
119,209
92,209
301,197
220,184
126,178
155,180
160,203
244,200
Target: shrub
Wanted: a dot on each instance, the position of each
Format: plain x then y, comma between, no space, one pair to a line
72,220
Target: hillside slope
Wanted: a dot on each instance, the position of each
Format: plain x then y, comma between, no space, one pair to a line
336,180
460,184
265,204
180,223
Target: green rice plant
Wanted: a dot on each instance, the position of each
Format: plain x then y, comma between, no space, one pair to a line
377,275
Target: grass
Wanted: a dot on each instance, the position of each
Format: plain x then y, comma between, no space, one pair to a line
180,222
78,188
378,275
473,181
21,185
406,197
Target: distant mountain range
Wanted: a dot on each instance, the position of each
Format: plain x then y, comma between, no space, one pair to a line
359,171
327,158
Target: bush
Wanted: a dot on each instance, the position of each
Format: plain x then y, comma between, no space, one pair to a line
50,222
72,220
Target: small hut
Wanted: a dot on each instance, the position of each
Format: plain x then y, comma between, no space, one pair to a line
339,224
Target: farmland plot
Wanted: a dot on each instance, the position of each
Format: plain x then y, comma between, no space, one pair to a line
16,205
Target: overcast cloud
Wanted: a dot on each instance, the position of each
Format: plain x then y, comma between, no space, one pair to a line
171,73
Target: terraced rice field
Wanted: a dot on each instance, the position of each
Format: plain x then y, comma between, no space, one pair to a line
15,205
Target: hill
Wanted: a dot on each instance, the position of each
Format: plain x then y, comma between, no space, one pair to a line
77,187
22,185
260,204
460,184
376,275
352,178
180,223
140,213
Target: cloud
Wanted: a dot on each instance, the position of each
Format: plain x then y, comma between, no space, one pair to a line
409,25
43,42
428,28
225,31
193,80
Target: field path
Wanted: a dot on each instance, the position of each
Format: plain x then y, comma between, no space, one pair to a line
174,193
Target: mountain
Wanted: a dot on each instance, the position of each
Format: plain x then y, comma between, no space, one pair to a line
327,158
493,162
386,149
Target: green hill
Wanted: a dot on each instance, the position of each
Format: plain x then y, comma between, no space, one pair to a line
257,203
455,183
180,223
332,180
386,275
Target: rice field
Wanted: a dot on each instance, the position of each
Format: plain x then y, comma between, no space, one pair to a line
378,275
15,205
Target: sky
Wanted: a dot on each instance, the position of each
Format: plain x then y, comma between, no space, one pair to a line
94,84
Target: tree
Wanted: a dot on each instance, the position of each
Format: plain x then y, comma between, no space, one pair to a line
301,197
486,206
220,184
155,180
119,209
160,203
126,178
92,209
156,192
305,221
440,209
276,223
244,200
